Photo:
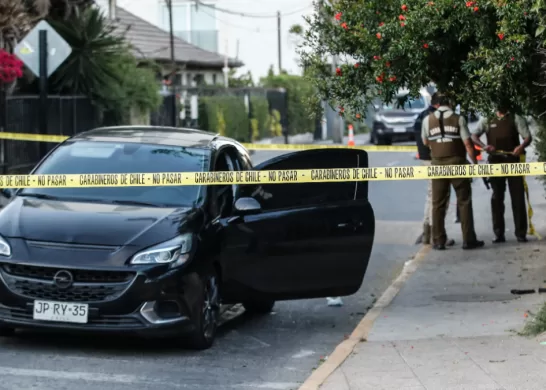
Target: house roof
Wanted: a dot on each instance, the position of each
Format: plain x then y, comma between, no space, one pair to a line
152,42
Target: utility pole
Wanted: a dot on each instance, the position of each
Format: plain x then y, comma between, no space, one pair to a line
279,45
112,9
172,77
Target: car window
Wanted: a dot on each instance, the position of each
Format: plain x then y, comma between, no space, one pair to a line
281,196
411,103
84,157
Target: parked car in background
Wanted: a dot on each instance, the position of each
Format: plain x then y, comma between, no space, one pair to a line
391,123
164,259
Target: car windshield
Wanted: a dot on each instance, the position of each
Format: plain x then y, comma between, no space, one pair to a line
117,157
410,104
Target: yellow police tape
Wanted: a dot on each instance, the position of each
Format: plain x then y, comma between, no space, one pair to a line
368,148
532,231
271,177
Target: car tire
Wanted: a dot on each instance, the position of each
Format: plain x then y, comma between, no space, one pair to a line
6,331
379,141
259,307
207,313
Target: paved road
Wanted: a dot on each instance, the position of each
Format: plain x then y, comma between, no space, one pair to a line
275,352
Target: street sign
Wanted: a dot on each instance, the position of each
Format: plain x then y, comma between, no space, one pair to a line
28,50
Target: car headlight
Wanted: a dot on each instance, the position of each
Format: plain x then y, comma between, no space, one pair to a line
175,252
5,248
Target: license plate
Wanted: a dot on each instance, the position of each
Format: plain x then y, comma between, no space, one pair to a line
399,130
61,312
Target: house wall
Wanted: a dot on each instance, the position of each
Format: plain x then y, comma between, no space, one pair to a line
194,24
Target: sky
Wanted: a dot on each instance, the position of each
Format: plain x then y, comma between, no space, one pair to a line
256,38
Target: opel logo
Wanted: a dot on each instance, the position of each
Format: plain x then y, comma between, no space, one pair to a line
63,279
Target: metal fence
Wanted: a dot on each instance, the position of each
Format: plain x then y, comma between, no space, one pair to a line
67,115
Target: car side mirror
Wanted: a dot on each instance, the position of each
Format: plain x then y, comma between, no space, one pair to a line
247,206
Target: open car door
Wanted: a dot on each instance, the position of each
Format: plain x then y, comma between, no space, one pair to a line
292,241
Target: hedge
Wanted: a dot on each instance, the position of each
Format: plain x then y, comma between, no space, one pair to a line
300,94
227,116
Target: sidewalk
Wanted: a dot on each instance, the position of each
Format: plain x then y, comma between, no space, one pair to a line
454,322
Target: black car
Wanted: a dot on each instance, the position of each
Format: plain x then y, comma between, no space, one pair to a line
162,260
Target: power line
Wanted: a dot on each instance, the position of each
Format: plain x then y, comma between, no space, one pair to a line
248,15
255,30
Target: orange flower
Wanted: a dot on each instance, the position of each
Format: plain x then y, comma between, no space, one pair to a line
344,25
357,65
401,17
425,45
338,71
404,7
338,16
402,24
381,24
378,35
501,36
392,78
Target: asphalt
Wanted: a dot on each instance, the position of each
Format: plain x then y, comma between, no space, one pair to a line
273,352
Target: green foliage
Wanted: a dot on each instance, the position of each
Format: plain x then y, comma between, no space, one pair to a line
229,108
227,116
536,323
242,81
302,102
260,111
102,66
255,130
481,53
275,127
220,122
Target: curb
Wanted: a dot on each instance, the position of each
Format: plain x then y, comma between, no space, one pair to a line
361,332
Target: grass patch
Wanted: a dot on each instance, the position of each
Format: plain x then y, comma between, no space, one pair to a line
536,323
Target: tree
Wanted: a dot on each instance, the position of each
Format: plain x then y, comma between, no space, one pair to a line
482,53
300,96
102,66
242,81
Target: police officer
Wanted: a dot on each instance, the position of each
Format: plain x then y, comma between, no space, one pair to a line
448,137
503,135
424,155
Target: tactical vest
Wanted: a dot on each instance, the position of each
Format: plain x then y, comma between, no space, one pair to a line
503,133
445,138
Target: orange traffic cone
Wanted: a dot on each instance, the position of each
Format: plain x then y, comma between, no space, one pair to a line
351,136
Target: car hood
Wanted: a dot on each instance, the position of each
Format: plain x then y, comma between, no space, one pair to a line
90,223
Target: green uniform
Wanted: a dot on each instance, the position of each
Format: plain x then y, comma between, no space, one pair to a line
504,135
446,142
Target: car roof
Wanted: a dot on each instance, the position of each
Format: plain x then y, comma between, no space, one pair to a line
159,135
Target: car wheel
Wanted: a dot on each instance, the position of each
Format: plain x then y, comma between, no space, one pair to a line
207,313
259,307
